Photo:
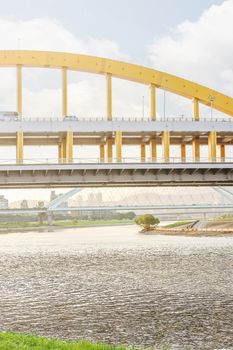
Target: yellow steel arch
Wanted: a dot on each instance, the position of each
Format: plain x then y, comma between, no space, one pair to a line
122,70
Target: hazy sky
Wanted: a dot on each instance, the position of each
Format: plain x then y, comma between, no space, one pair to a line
192,39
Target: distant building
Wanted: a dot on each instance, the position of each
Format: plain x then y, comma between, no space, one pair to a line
90,197
53,195
24,204
3,202
99,197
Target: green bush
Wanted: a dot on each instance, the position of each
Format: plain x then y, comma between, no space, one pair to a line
146,221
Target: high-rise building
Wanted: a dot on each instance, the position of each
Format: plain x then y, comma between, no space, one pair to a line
3,202
52,195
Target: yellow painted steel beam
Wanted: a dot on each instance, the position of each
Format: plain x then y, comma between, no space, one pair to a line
195,105
183,152
64,91
109,95
221,150
102,153
196,149
19,147
153,150
19,88
212,143
109,144
69,146
64,149
143,152
118,144
152,102
166,145
60,152
122,70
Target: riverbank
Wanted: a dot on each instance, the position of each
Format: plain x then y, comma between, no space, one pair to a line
16,341
58,225
194,229
12,341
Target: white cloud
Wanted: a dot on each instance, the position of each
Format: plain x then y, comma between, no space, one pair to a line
201,50
49,34
42,92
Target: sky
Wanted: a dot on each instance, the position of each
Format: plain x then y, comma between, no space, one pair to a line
192,39
133,24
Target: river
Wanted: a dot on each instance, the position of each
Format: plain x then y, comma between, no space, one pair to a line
114,285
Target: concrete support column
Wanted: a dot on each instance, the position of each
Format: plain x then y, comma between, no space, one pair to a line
118,144
109,144
19,88
166,145
69,146
109,95
143,152
221,152
196,149
19,147
195,105
102,153
152,102
183,152
64,91
49,217
212,144
153,150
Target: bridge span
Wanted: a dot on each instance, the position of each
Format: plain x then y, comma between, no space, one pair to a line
111,135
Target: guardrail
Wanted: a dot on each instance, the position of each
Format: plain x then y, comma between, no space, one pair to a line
117,119
136,160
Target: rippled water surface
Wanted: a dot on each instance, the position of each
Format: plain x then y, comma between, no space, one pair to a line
114,285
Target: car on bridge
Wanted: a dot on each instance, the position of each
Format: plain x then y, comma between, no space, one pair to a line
9,116
70,118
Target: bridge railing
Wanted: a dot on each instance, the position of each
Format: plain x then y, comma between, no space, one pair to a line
137,119
126,160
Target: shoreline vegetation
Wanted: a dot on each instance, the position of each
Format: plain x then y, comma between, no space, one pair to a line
13,341
60,224
17,341
186,229
216,227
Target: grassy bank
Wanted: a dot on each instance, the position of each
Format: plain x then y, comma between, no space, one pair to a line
65,223
12,341
99,222
177,224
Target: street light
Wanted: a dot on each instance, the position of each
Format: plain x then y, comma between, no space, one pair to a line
164,104
143,106
211,99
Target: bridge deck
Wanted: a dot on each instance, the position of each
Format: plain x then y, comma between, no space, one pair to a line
49,132
115,174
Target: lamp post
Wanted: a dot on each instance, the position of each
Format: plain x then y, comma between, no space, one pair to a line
211,99
143,106
164,104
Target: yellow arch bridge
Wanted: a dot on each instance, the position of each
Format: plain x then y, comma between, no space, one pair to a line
111,135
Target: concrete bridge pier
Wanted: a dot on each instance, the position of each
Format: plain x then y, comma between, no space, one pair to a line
49,217
45,216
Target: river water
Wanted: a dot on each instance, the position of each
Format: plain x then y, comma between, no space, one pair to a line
114,285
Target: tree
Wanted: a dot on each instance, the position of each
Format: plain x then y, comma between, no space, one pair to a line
130,215
146,221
